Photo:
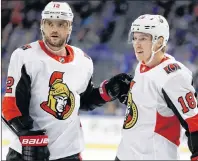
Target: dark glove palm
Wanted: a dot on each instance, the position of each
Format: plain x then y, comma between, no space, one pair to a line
125,86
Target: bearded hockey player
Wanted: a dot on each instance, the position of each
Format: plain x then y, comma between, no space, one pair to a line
160,99
48,81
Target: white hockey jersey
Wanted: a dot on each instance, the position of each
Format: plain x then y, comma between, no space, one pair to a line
56,84
159,99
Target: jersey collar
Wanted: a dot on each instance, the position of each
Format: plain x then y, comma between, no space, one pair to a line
61,59
144,68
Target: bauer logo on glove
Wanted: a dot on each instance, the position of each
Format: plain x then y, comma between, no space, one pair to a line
40,140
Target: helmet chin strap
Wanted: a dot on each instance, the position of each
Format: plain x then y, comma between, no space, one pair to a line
153,53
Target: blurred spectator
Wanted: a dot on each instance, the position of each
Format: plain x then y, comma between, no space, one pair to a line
121,7
166,5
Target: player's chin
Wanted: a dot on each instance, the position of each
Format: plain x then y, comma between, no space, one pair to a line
56,42
55,39
139,58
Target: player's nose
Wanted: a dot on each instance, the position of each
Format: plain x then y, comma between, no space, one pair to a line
54,29
137,46
137,43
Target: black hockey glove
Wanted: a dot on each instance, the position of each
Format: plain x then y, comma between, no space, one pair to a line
125,86
34,145
116,87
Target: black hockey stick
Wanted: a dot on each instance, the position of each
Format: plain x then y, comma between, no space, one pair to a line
9,126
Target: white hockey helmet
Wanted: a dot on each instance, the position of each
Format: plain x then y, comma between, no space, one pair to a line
155,25
57,10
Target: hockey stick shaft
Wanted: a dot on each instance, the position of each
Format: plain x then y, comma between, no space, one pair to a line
9,126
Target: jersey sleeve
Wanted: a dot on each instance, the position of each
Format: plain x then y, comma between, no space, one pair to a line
180,96
91,98
89,75
17,87
88,69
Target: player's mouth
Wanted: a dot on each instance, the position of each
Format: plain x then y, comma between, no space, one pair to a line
54,36
139,52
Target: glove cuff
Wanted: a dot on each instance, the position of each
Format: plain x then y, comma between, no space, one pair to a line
194,158
38,140
103,92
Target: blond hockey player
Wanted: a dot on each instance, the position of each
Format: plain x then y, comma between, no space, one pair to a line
160,99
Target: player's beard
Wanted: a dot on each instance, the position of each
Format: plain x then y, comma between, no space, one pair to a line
57,44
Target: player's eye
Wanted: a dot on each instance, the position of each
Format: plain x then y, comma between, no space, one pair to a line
143,38
49,23
61,25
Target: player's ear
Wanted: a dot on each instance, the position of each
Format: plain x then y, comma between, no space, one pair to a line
70,29
160,41
42,21
41,25
69,25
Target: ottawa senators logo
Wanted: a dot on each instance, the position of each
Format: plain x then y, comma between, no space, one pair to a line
131,112
61,100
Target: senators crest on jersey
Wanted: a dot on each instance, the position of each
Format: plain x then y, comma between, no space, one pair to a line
131,115
61,101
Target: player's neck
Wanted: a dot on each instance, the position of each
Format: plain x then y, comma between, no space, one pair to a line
156,60
61,51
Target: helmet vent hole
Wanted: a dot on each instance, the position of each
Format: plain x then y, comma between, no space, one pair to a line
51,16
57,16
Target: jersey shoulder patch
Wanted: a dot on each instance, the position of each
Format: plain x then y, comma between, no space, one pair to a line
170,68
24,47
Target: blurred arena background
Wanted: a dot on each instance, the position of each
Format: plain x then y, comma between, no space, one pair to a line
101,28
